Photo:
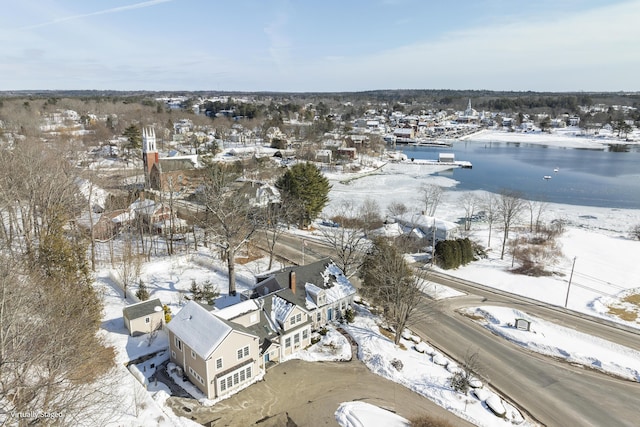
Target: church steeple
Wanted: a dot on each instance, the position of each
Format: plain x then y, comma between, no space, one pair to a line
150,154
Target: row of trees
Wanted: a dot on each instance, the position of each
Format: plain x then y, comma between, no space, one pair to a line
454,253
50,355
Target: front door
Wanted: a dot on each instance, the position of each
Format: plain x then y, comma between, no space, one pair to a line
329,314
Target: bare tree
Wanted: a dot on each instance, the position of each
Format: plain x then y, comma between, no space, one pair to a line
469,203
392,284
397,209
348,237
431,196
229,215
369,213
274,219
510,206
128,269
489,204
536,210
462,379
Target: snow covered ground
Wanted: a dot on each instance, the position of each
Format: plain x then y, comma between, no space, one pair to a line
421,368
362,414
560,342
606,270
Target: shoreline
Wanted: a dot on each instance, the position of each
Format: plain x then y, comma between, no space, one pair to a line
562,138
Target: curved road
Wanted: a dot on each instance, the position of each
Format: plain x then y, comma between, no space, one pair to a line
553,392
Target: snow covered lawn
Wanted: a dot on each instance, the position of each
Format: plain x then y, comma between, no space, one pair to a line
558,341
332,347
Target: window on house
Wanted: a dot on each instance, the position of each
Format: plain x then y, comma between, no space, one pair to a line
287,342
319,317
173,354
293,320
223,385
147,320
193,354
219,363
229,382
305,334
248,372
246,351
178,343
296,339
242,375
236,378
239,354
298,318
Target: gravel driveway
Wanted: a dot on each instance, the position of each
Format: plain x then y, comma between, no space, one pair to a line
298,393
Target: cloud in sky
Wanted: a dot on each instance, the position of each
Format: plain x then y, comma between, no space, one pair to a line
290,46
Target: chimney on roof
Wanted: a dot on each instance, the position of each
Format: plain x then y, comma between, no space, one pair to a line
292,281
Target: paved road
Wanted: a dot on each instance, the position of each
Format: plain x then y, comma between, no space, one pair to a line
553,392
308,394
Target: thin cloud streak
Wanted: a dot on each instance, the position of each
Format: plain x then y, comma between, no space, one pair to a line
100,12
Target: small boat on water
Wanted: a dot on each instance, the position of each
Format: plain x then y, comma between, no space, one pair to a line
556,170
546,177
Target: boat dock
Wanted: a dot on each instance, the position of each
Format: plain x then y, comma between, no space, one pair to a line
453,164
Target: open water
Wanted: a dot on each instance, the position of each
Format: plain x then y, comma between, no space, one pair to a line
608,177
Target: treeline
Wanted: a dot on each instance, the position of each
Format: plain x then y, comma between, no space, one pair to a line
50,313
568,103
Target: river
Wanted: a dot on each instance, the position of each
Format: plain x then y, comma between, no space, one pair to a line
608,177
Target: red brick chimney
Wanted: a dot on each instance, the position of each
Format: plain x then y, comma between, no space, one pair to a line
292,281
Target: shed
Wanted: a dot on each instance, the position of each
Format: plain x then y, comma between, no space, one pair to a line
143,317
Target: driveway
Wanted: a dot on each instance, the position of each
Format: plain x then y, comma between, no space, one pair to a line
298,393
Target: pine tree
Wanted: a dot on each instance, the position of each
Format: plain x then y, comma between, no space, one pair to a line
304,186
142,293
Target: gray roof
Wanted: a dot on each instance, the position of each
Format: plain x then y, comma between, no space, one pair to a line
141,309
170,165
315,273
199,329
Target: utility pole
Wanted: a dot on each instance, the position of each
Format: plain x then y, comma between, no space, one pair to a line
569,286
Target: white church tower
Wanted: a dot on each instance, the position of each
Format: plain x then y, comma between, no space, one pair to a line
150,154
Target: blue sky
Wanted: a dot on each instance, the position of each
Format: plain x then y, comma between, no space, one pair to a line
304,45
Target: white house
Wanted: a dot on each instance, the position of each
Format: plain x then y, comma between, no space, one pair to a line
431,227
321,288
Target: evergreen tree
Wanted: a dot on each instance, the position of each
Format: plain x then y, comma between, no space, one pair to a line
134,137
304,186
142,293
